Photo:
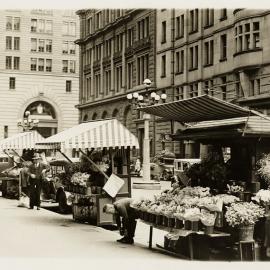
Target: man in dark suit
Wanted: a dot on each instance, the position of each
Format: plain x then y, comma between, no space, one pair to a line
36,173
122,209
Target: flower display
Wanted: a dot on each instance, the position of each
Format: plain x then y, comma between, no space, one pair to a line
243,213
211,203
196,191
79,179
262,196
228,199
208,218
232,189
192,214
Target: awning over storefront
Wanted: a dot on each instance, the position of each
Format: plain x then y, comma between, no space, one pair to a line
20,141
95,134
202,108
253,126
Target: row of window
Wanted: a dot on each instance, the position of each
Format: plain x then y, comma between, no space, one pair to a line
142,72
221,89
40,26
40,64
12,84
40,45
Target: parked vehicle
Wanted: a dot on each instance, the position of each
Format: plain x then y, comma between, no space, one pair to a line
180,165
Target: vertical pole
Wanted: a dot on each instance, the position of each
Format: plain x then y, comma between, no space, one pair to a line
146,148
150,237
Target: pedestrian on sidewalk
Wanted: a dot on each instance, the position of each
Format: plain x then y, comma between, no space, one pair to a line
36,173
122,209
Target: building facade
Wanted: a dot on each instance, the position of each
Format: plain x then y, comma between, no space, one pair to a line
117,52
39,69
223,53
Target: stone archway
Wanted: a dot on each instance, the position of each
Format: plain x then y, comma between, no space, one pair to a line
94,117
85,118
45,113
104,115
115,113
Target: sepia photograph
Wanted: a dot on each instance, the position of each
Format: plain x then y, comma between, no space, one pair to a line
134,136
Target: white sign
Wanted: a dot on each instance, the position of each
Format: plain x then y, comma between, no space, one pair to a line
113,185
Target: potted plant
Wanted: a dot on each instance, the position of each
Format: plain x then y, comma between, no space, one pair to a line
244,215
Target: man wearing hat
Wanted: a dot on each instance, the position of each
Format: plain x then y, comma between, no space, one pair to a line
36,173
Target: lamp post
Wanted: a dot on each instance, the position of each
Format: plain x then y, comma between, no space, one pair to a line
138,101
27,123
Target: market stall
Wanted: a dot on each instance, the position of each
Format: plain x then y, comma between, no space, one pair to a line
220,126
13,147
104,146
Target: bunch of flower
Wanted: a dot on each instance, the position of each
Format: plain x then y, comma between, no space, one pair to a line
228,199
196,191
208,218
243,213
79,179
234,189
192,214
262,196
145,205
211,203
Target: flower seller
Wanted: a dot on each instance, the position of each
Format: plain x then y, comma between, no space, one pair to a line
122,209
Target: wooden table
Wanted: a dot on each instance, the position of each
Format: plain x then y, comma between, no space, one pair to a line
183,233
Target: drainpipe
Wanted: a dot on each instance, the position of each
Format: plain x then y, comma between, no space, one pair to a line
172,64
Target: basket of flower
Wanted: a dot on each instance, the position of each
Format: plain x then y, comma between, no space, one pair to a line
244,215
192,218
79,182
263,197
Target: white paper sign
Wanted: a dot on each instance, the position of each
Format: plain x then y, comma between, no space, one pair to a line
113,185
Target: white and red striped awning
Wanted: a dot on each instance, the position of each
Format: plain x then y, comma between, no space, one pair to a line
95,134
20,141
196,109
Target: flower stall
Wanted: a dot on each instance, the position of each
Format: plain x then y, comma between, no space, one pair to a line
11,180
104,147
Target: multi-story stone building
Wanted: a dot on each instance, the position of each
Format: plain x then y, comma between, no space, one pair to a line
38,69
117,52
223,53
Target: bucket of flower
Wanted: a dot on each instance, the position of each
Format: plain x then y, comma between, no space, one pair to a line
159,216
79,180
208,220
179,217
244,215
263,198
192,218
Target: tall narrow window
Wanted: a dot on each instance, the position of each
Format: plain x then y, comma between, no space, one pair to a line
33,44
16,63
33,64
8,62
5,132
163,66
163,32
130,75
223,47
41,45
8,43
48,65
17,23
33,25
193,14
208,52
65,47
223,14
16,43
48,45
180,26
72,66
12,82
208,17
65,66
40,64
8,23
180,61
68,86
224,87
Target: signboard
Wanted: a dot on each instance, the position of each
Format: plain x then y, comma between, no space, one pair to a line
113,185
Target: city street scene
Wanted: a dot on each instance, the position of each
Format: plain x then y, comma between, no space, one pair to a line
135,135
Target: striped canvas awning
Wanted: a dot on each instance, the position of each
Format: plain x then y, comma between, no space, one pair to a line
94,134
20,141
202,108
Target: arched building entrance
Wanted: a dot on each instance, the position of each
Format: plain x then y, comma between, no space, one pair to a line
45,113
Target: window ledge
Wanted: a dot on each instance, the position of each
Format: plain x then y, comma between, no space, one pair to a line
208,65
163,41
179,72
247,51
179,37
163,76
191,69
223,59
223,18
208,26
193,32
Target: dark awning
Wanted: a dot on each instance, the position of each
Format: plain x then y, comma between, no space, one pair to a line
202,108
253,126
